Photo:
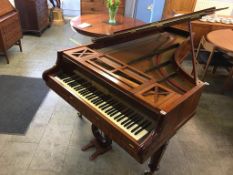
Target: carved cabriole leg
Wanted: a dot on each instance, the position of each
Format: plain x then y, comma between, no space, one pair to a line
155,160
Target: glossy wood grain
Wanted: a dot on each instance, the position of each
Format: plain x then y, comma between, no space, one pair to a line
222,38
10,29
99,24
34,15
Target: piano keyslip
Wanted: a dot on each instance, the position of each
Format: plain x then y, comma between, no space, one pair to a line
131,122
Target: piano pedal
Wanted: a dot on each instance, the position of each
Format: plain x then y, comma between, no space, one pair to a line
100,149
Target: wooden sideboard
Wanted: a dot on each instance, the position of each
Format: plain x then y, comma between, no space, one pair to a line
34,15
98,6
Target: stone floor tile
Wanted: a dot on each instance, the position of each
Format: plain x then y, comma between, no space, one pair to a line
11,170
48,157
18,155
41,172
57,134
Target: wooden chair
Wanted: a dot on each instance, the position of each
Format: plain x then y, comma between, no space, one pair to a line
229,81
208,55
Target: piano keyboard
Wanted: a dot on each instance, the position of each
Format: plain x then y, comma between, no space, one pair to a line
134,124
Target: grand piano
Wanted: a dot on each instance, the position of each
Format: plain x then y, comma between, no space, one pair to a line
132,86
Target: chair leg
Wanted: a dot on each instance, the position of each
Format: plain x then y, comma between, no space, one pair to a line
214,69
7,59
207,65
227,83
20,46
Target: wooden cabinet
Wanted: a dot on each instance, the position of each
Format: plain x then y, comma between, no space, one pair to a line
10,30
98,6
33,15
173,7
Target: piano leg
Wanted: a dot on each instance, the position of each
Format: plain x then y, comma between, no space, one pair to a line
80,115
155,159
101,142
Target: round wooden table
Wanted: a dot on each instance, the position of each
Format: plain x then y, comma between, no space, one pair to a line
99,25
222,39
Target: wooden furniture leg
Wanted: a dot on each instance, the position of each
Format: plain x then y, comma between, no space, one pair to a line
229,81
101,142
99,148
155,159
20,46
7,59
80,115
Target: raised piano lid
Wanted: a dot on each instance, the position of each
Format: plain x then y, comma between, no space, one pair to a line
6,7
124,77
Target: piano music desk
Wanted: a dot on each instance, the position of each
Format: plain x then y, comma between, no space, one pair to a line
99,24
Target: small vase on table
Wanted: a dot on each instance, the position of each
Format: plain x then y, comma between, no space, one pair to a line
112,6
112,16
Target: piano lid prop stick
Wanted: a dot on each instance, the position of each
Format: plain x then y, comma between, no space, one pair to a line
156,26
194,61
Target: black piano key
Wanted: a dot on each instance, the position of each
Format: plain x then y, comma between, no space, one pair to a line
134,118
62,75
96,100
84,89
125,115
107,101
91,95
143,127
113,112
134,122
115,106
119,115
139,126
68,79
87,92
107,105
72,84
100,102
96,93
130,118
77,87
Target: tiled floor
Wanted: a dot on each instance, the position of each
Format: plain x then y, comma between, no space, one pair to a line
52,144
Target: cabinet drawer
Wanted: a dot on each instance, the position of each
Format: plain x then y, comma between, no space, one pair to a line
92,7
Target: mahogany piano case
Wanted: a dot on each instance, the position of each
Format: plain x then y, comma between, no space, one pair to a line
10,30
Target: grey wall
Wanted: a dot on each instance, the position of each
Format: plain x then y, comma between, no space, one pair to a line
129,7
